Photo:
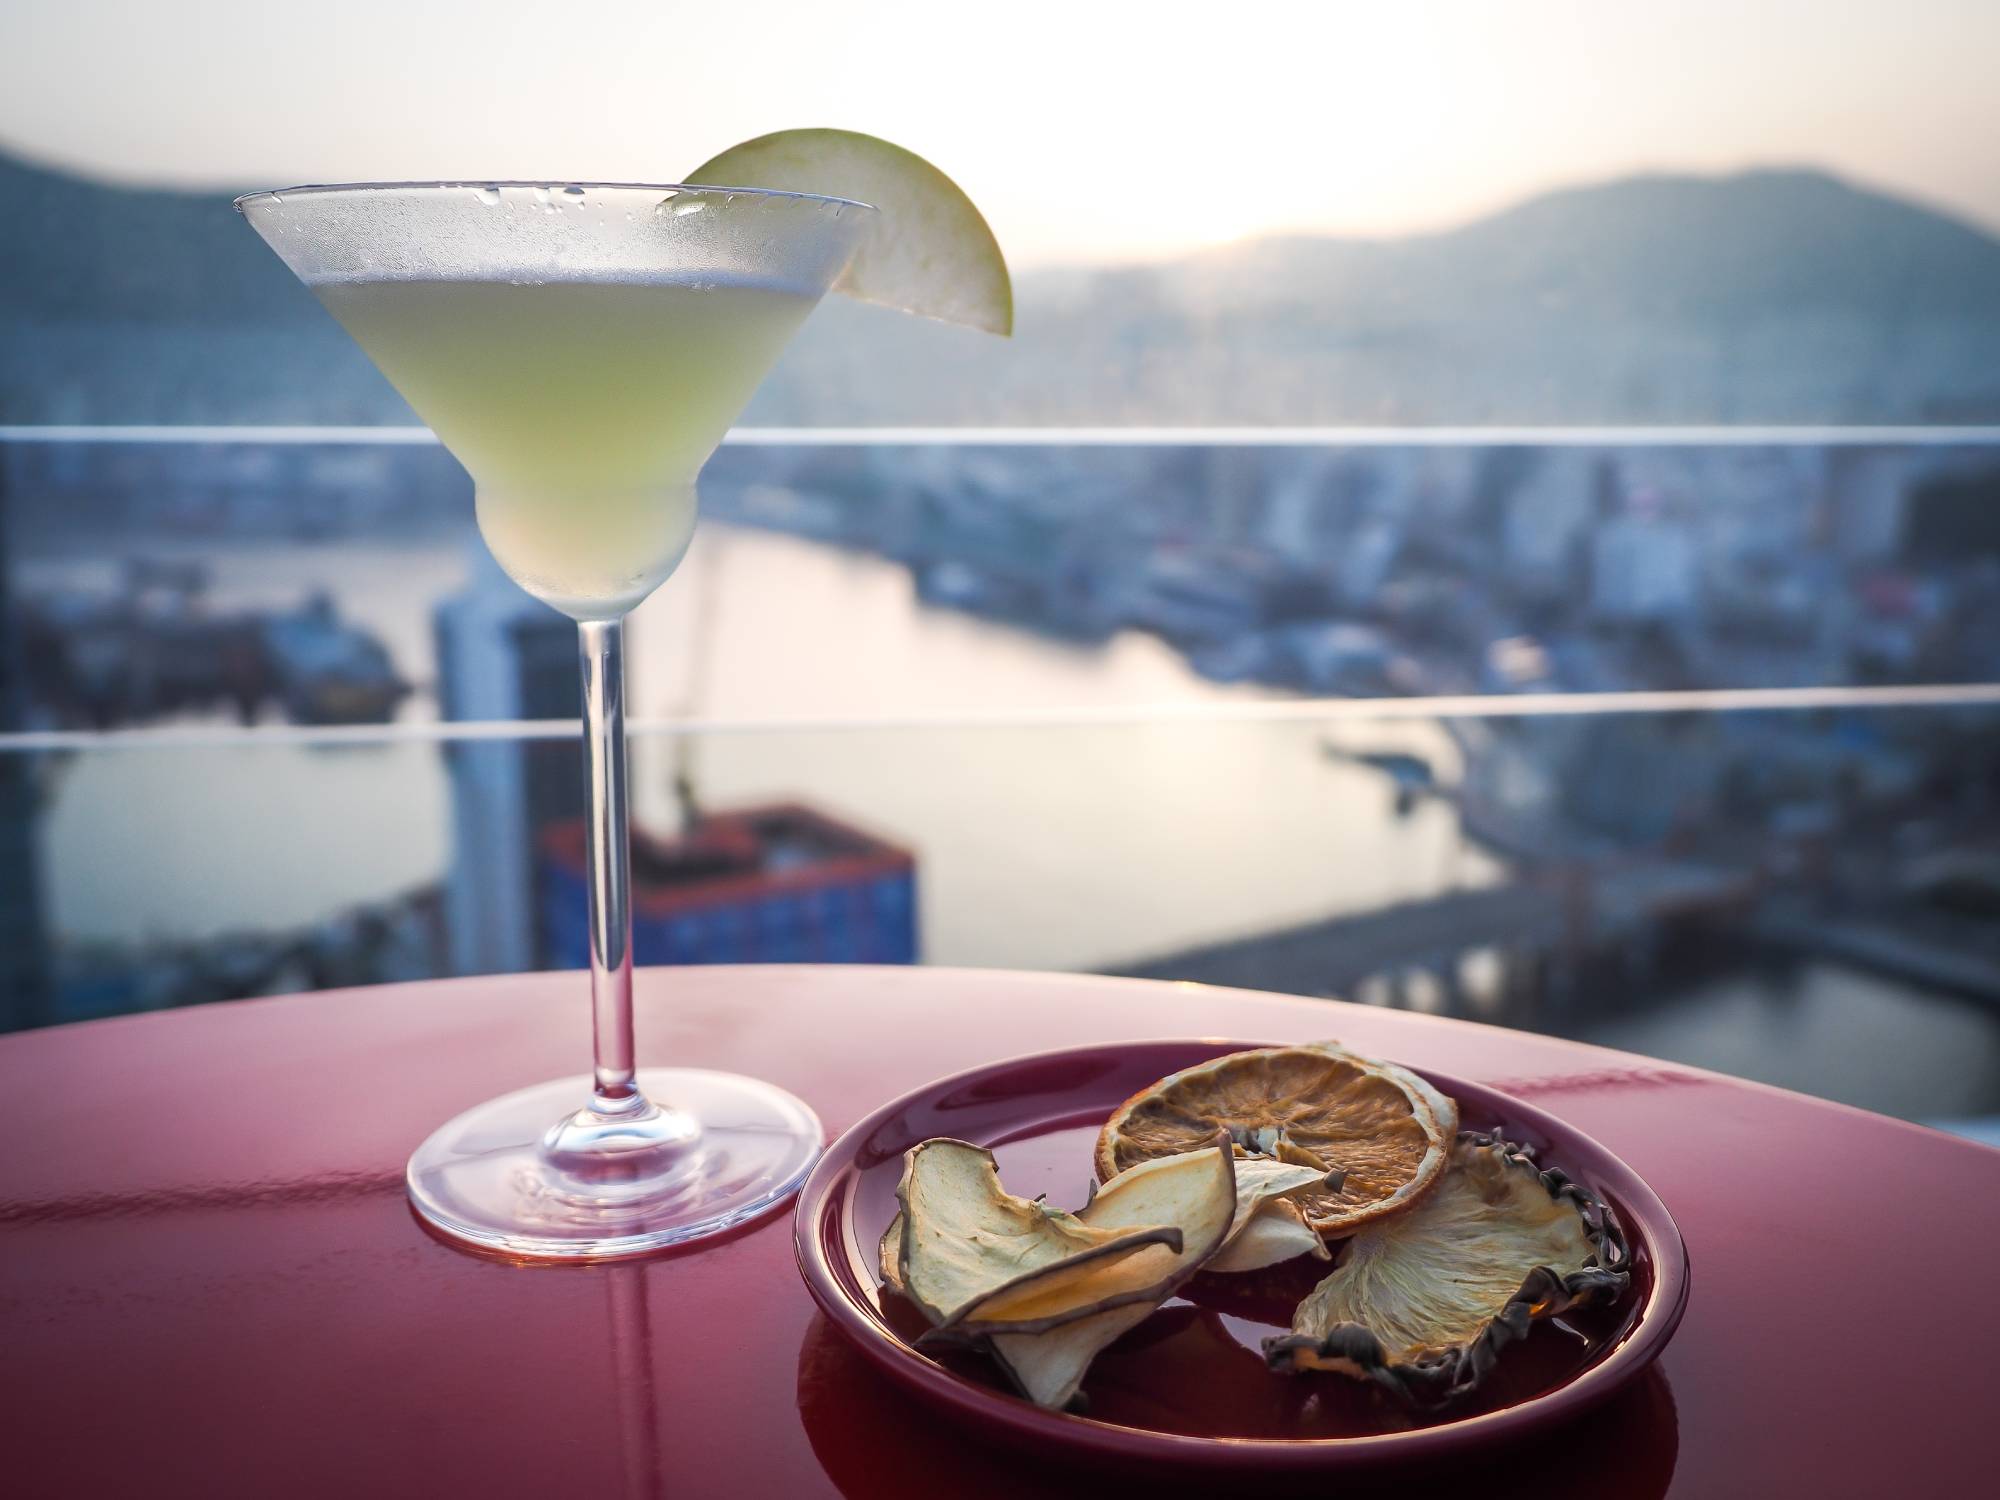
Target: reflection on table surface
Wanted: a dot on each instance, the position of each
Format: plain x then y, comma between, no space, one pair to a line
877,1442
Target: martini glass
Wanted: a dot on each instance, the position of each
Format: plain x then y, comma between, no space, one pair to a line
581,348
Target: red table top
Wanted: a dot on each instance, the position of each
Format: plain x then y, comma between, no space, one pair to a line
210,1283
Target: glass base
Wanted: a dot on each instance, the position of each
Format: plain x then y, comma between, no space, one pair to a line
693,1154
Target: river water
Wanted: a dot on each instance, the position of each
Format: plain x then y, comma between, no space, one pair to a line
1037,847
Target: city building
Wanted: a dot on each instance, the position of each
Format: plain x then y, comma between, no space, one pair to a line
24,975
502,656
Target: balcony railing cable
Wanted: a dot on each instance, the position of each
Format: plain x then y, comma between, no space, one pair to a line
1250,711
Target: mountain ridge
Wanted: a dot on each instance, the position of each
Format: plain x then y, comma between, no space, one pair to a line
1778,294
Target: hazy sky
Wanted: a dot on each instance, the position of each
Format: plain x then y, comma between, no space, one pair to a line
1088,130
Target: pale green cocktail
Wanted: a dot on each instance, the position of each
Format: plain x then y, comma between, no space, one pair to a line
582,409
582,348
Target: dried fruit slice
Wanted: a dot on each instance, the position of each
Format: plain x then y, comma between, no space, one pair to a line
964,1237
1049,1367
1265,1231
1261,1180
1442,1104
891,1254
1048,1364
1275,1233
1425,1302
1195,1191
1318,1107
1269,1227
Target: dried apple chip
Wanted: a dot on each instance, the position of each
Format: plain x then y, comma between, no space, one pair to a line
1269,1227
1049,1366
1261,1181
963,1238
1424,1302
1275,1233
1194,1191
891,1255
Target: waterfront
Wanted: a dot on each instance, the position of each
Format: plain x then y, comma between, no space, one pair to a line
1043,848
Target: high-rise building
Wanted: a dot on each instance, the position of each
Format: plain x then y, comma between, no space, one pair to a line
500,656
25,999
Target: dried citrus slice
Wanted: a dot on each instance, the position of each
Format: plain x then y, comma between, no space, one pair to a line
1320,1107
1442,1104
1423,1303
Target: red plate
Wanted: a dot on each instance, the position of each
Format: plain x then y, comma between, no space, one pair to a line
1189,1385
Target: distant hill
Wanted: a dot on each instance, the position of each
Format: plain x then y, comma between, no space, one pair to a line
124,305
1778,296
1694,250
72,249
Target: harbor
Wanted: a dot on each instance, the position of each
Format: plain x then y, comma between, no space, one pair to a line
151,648
1562,874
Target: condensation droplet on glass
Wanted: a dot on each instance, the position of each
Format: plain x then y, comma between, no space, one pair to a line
692,206
573,191
490,196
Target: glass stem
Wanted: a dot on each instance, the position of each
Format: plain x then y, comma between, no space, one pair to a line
608,849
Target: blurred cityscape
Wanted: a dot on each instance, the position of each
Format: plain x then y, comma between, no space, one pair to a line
1618,859
1769,892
